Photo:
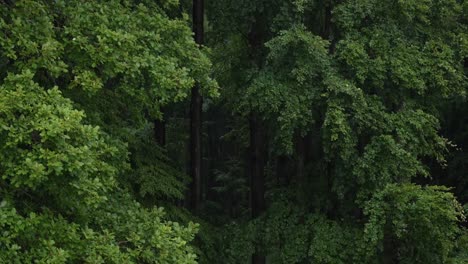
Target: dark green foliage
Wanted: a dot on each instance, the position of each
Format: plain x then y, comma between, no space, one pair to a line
353,94
421,221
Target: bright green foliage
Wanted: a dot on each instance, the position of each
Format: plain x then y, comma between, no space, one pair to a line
51,152
45,238
57,167
69,181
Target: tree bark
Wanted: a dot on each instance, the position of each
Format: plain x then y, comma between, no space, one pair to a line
257,177
160,132
390,246
300,166
196,116
256,38
257,163
282,172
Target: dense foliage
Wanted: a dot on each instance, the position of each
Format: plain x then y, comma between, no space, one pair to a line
66,172
334,131
352,95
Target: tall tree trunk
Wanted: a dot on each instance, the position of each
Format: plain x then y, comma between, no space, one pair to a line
390,246
160,132
257,148
196,116
257,163
257,177
328,31
282,172
300,166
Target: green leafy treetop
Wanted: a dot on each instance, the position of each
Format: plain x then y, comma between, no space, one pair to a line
60,201
63,191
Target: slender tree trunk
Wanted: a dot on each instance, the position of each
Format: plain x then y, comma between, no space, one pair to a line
257,177
198,20
282,172
390,247
160,132
328,31
257,163
300,166
256,40
196,116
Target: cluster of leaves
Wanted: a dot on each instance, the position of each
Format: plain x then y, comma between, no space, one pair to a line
60,201
422,221
80,85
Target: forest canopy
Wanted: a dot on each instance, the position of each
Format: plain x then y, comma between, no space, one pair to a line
247,131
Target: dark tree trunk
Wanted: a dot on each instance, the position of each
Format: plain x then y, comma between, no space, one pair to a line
301,155
390,246
256,38
160,132
196,116
328,29
257,258
257,163
282,172
198,20
195,148
257,177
